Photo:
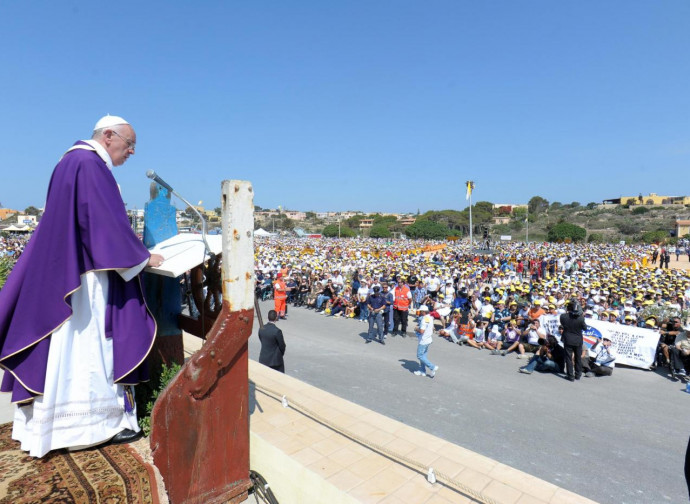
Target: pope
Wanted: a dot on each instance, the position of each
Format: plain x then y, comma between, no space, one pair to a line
74,327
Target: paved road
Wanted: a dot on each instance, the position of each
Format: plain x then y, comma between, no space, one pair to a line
617,440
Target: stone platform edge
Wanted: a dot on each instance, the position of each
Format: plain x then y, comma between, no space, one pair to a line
307,458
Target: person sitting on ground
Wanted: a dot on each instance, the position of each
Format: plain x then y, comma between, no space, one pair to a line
487,309
462,330
502,315
328,293
336,306
680,353
536,310
530,338
494,337
480,334
601,364
439,309
549,357
511,340
452,331
669,333
351,303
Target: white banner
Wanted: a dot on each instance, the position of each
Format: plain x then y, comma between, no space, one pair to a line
634,346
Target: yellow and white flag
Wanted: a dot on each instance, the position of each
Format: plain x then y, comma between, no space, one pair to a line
469,190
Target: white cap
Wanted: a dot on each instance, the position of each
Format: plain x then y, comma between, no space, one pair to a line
423,308
109,121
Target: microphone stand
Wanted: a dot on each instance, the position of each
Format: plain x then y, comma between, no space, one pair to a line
153,176
203,222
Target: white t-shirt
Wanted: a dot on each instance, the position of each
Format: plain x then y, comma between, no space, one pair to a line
486,310
426,330
533,336
433,284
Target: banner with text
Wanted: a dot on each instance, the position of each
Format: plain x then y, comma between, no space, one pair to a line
635,346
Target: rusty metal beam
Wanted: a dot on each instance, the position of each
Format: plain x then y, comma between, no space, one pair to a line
200,423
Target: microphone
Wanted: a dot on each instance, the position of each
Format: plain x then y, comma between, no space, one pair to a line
154,176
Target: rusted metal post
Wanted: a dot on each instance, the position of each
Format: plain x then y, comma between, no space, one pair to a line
200,423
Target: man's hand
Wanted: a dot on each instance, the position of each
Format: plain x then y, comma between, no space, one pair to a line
155,260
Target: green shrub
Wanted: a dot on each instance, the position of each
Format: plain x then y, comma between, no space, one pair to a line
595,238
566,231
640,210
654,236
428,230
331,231
6,265
148,392
379,231
628,227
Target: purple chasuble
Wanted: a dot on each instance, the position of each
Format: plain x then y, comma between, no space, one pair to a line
84,228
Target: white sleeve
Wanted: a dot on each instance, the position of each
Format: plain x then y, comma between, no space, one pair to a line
128,273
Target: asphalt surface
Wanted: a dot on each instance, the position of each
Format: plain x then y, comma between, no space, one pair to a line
616,440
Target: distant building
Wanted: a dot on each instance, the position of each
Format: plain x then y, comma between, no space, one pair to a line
6,212
406,220
509,207
366,223
265,214
28,220
348,214
650,199
682,228
295,215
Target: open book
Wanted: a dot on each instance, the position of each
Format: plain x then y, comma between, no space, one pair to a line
183,252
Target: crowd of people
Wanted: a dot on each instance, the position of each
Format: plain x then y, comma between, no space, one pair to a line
491,301
12,244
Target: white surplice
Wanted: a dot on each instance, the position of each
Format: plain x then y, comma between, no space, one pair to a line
81,405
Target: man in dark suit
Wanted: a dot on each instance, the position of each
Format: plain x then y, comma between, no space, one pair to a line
272,344
573,324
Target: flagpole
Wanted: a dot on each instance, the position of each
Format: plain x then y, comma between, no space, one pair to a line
527,221
471,242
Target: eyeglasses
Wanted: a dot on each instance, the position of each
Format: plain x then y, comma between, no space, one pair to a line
130,143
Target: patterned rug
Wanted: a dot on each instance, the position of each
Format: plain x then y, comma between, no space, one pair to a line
111,474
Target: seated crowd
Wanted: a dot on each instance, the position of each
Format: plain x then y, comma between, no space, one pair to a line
491,302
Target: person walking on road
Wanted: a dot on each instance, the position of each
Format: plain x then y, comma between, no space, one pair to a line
424,331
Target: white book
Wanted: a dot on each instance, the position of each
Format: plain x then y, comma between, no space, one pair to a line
183,252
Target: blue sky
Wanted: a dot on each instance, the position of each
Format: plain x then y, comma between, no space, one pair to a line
385,105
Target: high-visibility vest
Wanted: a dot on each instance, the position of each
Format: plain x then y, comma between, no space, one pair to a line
402,301
466,330
279,292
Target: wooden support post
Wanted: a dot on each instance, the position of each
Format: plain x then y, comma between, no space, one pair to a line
200,423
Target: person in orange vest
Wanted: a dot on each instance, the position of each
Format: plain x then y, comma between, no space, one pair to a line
280,295
401,306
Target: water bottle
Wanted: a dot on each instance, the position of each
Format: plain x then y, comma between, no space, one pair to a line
687,387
